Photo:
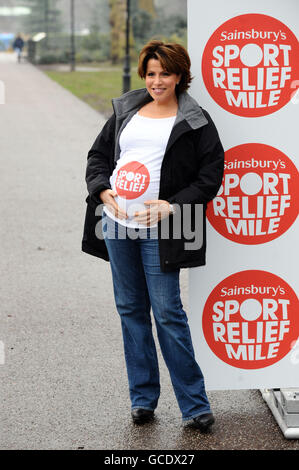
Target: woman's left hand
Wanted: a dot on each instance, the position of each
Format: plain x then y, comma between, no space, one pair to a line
158,209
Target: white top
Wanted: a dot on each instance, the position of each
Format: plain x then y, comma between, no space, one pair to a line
136,177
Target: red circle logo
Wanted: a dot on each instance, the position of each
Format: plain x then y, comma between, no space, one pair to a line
258,199
250,320
249,65
132,180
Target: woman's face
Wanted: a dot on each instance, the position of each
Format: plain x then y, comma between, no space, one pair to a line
159,83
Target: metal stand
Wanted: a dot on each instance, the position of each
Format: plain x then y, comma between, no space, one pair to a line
284,404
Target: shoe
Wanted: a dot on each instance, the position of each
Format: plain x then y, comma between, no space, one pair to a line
203,422
141,416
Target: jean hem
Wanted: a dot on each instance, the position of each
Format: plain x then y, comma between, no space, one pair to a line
142,407
189,418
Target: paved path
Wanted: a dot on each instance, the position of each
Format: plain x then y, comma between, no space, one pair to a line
63,384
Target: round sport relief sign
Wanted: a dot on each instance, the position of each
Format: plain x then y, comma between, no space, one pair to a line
249,65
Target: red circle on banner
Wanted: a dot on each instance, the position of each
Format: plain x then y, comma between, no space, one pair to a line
250,65
132,180
258,199
250,319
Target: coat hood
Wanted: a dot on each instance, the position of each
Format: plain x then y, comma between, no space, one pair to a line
188,108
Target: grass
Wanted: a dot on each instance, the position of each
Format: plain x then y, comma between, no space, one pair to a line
95,88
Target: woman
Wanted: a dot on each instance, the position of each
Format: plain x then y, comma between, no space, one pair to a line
158,159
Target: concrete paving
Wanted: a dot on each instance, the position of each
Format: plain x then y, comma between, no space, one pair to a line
63,382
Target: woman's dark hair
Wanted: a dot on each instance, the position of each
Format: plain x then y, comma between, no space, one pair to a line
173,58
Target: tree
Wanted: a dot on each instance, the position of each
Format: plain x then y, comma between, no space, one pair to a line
148,6
95,18
142,23
118,29
142,15
146,22
169,26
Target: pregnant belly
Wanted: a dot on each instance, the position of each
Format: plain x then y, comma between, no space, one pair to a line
132,180
135,184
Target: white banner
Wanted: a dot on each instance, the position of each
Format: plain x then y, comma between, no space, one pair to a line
244,312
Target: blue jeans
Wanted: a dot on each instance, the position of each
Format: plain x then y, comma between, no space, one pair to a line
139,284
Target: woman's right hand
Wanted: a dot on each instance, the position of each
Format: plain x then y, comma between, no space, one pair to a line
107,196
